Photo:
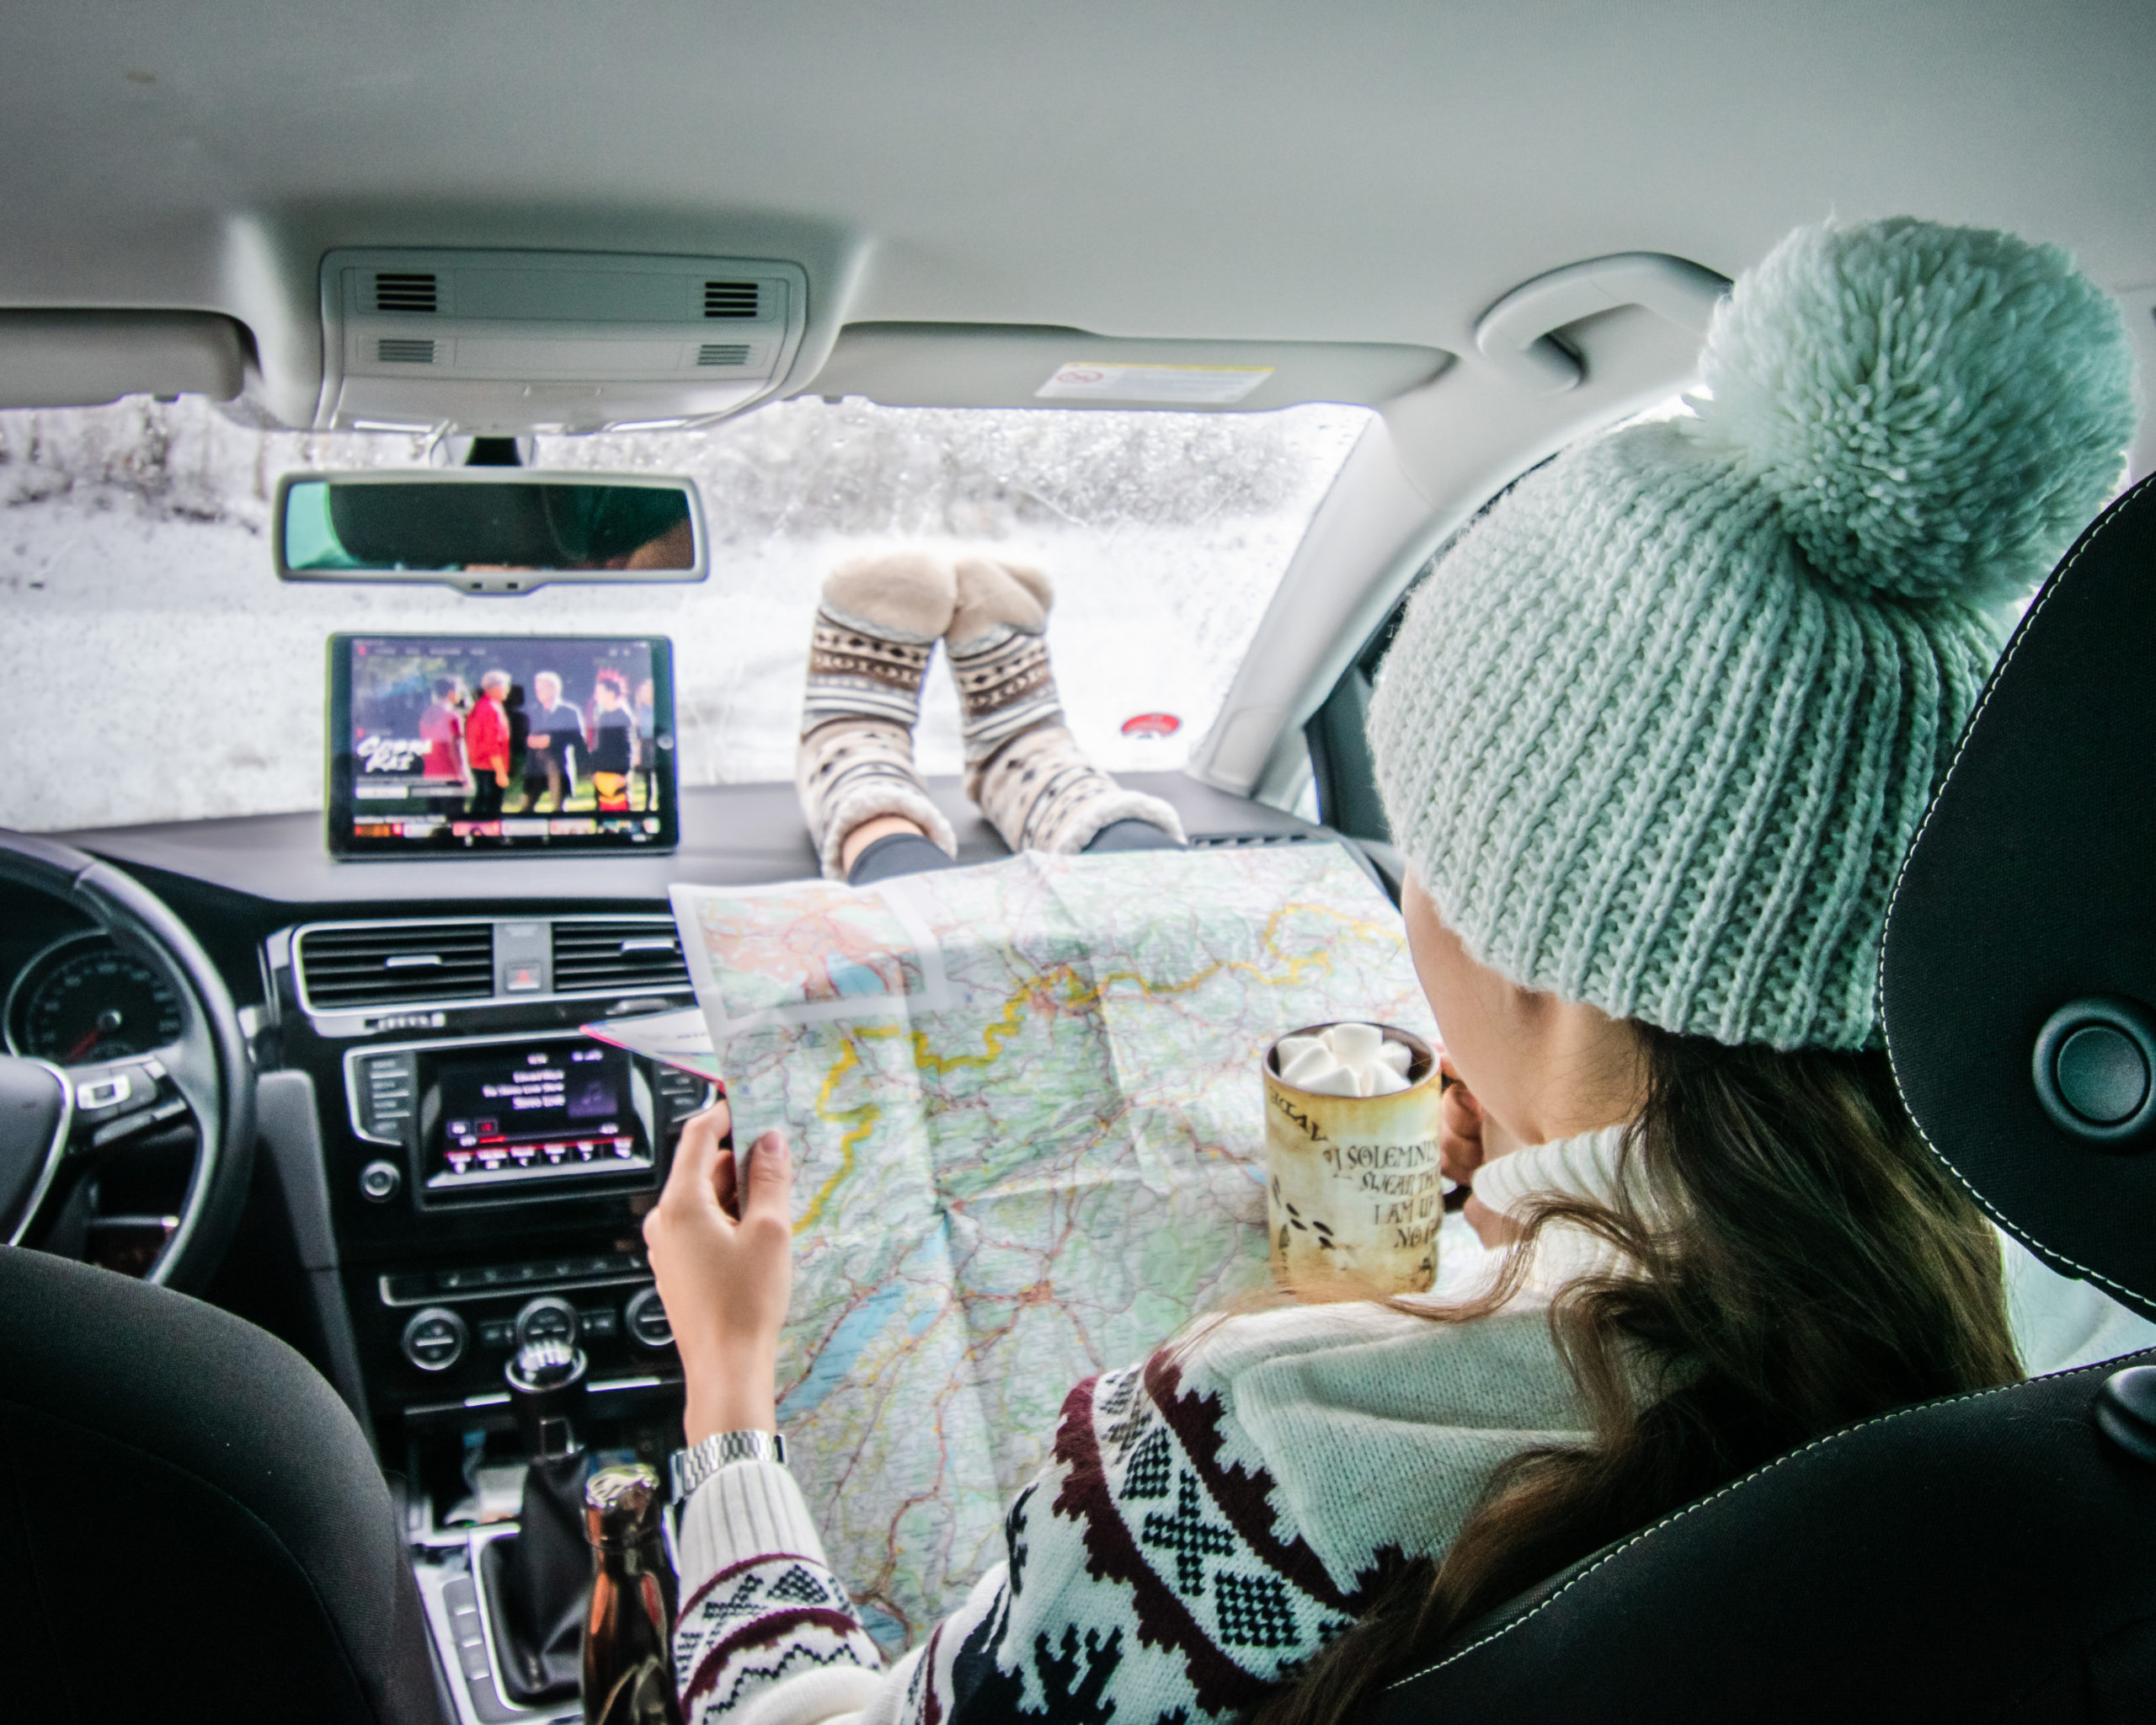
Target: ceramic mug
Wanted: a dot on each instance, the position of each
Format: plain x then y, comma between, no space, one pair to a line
1352,1181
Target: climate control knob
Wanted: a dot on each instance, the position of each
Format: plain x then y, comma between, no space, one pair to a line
549,1318
646,1317
434,1339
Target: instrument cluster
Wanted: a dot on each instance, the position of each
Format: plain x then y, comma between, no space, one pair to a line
83,999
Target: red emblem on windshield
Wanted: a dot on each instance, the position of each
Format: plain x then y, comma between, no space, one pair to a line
1152,724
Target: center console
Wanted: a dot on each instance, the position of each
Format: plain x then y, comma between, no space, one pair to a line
487,1168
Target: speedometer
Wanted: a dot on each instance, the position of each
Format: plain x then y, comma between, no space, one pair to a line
85,999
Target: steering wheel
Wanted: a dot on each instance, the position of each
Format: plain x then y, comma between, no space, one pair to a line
57,1123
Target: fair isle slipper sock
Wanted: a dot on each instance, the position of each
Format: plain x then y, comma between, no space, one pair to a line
1041,793
876,629
999,655
1024,767
854,769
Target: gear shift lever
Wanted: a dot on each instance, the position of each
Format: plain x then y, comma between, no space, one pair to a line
537,1581
546,1388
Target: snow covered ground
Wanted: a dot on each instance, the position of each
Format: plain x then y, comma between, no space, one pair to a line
156,668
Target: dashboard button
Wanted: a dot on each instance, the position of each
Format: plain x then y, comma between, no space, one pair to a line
598,1322
549,1318
379,1181
646,1318
434,1339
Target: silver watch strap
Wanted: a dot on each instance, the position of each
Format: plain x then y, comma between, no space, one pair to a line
692,1466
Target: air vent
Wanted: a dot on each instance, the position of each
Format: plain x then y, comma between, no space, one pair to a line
722,353
411,291
405,351
730,299
591,957
385,964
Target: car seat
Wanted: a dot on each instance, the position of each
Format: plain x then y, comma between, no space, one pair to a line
1992,1555
191,1524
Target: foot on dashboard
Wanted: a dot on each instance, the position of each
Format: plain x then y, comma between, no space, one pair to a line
1024,767
878,625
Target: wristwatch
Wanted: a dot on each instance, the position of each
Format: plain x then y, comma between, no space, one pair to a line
692,1466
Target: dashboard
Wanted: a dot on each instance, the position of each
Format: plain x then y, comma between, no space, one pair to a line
446,1165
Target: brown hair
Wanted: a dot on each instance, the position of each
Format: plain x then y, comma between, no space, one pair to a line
1799,1261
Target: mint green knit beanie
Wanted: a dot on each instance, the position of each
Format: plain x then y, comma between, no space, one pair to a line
1657,729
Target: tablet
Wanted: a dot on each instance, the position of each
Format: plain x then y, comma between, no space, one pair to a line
457,745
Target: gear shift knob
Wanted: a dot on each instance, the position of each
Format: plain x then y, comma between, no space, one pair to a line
546,1382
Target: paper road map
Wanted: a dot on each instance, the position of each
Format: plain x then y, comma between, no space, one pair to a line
1025,1105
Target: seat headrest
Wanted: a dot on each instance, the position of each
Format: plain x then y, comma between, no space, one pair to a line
2018,980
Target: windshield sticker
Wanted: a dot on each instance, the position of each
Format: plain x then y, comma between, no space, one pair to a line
1213,385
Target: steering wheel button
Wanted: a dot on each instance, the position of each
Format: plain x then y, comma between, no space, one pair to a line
103,1092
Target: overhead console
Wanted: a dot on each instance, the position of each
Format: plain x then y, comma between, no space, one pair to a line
549,341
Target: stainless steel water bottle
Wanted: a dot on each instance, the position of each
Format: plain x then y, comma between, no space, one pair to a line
628,1638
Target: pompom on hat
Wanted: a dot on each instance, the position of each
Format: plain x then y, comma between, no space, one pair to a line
1657,728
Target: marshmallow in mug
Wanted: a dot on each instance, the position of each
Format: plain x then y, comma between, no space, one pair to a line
1345,1059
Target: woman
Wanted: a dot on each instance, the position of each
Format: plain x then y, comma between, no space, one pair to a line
1653,739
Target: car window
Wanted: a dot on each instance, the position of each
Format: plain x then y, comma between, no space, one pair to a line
167,674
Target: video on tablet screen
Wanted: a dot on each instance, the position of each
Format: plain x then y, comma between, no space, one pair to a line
487,743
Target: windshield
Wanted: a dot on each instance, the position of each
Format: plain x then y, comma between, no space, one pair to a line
161,672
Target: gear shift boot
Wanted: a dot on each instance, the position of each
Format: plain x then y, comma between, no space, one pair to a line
537,1582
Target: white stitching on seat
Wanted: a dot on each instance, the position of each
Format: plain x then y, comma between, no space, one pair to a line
2105,1366
1983,700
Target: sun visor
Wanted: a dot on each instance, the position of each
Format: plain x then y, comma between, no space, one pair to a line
85,359
514,342
1024,366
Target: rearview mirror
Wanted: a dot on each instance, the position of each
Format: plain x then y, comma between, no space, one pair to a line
488,530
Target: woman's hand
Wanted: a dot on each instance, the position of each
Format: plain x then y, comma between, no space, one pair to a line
1459,1129
1467,1138
724,1265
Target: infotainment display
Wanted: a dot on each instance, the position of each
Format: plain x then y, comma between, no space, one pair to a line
505,1115
491,743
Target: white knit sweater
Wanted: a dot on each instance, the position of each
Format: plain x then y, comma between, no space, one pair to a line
2059,1321
1209,1518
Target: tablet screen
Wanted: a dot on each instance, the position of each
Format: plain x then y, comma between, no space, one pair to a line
463,744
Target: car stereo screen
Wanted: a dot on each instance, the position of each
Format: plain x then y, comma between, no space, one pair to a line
477,743
527,1113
